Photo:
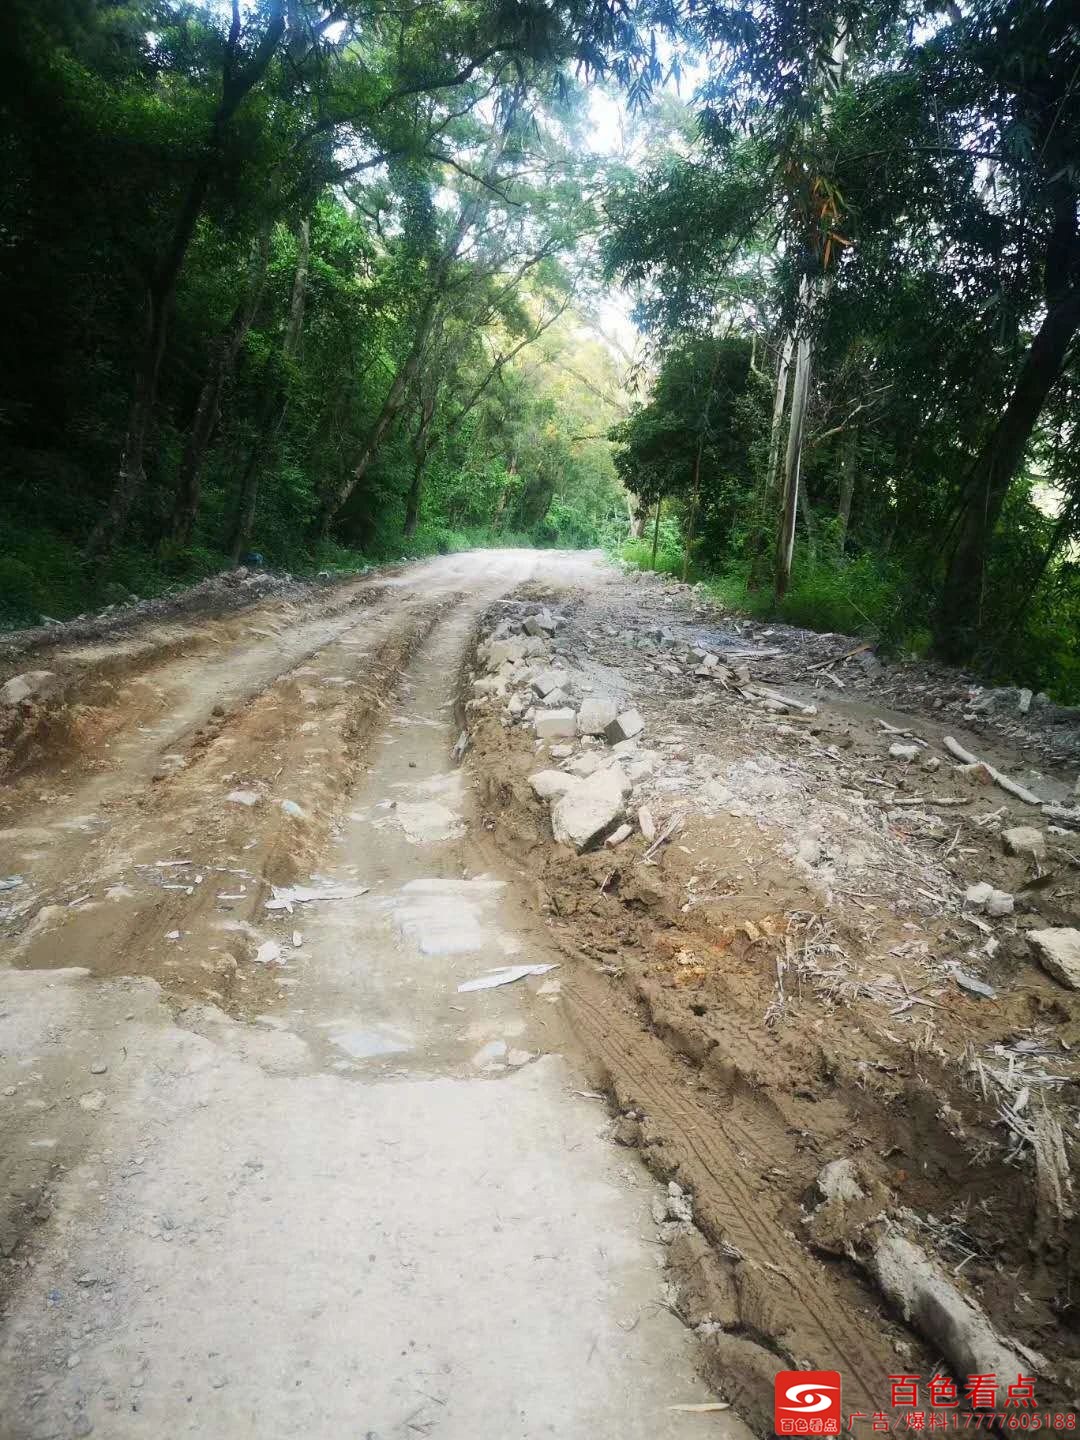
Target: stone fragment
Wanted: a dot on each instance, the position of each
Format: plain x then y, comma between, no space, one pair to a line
624,727
555,724
618,836
646,823
595,715
1058,952
543,623
585,814
32,685
999,903
904,752
549,680
1024,703
550,784
499,651
586,764
243,797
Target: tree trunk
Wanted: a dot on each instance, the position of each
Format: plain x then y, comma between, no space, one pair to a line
785,540
779,402
959,616
847,493
208,409
421,448
656,532
271,414
392,407
161,289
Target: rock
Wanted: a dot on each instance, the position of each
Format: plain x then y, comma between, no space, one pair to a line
549,680
624,727
977,895
1024,840
1024,702
1058,952
585,814
627,1131
551,784
646,823
999,903
561,752
243,797
488,685
904,752
33,685
595,715
99,1067
542,624
931,762
290,807
555,724
586,764
838,1180
618,836
499,651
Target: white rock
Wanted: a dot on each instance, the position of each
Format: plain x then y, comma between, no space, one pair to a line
624,727
646,823
999,903
978,895
587,812
595,715
549,680
32,685
586,764
904,752
550,784
555,724
838,1180
618,836
243,797
499,651
1058,952
560,752
1026,698
1024,840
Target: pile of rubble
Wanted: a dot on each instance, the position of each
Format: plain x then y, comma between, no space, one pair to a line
593,745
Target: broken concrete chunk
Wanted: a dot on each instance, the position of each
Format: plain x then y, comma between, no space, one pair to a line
585,814
550,784
1058,952
595,715
586,764
555,724
32,685
624,727
499,651
549,680
1024,840
904,752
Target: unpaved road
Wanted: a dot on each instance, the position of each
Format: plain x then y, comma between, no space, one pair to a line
325,1195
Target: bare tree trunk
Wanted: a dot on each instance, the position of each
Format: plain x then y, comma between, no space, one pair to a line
779,402
275,401
208,409
785,540
161,289
656,532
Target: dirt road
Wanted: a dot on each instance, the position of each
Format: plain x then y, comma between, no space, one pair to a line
266,1172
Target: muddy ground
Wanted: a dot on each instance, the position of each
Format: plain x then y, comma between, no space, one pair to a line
795,976
787,975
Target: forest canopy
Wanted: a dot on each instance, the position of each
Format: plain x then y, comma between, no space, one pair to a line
324,283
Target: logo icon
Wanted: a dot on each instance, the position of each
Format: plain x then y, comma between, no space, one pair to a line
807,1402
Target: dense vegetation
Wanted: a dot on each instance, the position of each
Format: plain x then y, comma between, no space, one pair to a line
293,279
877,213
320,280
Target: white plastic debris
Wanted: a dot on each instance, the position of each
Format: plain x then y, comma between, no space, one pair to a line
285,897
504,976
290,807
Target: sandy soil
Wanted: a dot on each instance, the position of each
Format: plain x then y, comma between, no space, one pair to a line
267,1172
